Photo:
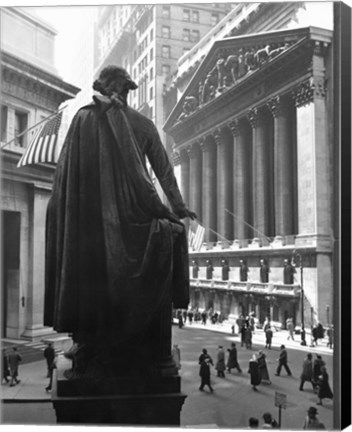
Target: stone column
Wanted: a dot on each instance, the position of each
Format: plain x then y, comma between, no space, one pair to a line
209,201
195,172
283,166
185,175
241,179
224,187
261,173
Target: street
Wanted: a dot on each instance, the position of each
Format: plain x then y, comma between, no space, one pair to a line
233,400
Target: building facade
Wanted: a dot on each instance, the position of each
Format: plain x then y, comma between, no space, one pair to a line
253,138
30,92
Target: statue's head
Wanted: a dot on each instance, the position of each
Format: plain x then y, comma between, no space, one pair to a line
114,79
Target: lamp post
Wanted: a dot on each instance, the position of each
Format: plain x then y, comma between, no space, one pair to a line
295,255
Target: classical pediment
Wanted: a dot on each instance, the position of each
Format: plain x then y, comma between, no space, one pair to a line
240,61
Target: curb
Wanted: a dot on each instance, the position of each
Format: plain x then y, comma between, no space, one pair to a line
25,400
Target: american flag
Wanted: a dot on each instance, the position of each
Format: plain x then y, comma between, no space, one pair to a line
42,147
195,235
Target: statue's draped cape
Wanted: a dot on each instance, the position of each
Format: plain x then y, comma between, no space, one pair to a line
115,254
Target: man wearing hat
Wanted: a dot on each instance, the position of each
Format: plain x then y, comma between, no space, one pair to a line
283,362
311,421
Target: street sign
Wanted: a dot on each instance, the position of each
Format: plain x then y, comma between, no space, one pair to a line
280,400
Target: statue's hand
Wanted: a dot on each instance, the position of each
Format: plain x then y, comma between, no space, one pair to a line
186,213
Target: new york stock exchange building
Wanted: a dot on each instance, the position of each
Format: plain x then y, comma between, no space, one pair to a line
254,140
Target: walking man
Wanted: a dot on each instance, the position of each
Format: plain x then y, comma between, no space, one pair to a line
311,421
49,354
14,360
283,362
232,362
307,371
204,372
220,363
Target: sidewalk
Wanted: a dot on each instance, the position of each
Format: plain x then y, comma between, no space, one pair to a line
32,386
33,375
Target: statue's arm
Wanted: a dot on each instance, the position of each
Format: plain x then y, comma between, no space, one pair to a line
163,170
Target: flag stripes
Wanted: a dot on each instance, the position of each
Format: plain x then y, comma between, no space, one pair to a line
195,235
42,147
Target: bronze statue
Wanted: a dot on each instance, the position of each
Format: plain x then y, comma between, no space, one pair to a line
264,271
116,256
225,269
289,272
243,271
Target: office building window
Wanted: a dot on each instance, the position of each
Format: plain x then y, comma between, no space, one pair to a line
151,73
165,31
186,15
195,36
4,111
166,51
165,69
21,124
214,18
165,12
195,16
151,54
186,35
151,93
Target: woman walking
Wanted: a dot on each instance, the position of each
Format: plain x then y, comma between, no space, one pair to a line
263,368
253,370
324,390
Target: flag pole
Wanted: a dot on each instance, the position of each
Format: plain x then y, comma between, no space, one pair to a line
32,127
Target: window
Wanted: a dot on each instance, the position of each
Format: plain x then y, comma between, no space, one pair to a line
151,54
186,15
195,36
151,35
165,31
165,12
166,51
151,93
195,16
214,18
134,73
4,112
165,69
151,73
186,35
21,124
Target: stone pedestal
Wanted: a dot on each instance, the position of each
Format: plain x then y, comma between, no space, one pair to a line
125,401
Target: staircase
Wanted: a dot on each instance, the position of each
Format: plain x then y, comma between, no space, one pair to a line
29,351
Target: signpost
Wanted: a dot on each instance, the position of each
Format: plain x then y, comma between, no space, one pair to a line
280,402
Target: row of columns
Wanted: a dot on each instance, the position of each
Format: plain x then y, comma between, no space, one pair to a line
243,175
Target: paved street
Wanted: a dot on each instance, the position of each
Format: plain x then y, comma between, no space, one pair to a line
233,400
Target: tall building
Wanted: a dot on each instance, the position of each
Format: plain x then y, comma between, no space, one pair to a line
254,139
148,40
31,90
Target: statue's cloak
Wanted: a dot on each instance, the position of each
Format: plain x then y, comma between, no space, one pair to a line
115,254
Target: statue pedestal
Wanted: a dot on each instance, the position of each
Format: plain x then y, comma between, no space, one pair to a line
143,401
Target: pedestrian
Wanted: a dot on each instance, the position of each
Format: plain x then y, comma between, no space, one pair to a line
52,367
232,362
14,359
204,372
318,363
290,328
204,317
253,370
176,356
220,362
268,337
269,422
49,354
263,368
253,423
248,337
311,421
307,371
180,320
330,334
324,390
266,324
5,367
240,322
283,362
243,333
184,314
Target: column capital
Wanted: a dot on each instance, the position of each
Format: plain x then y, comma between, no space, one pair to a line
255,117
217,136
234,127
304,93
176,157
183,155
206,145
277,106
193,150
